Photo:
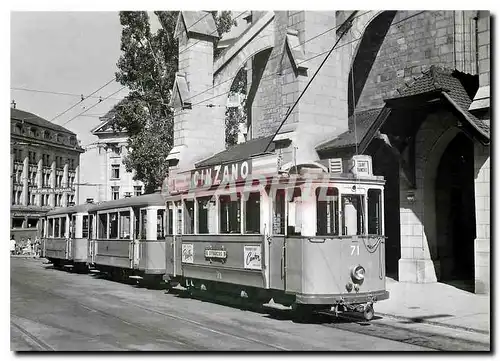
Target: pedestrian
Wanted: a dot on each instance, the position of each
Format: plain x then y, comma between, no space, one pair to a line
28,246
37,247
12,245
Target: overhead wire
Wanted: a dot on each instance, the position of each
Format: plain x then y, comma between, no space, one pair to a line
99,102
67,110
57,93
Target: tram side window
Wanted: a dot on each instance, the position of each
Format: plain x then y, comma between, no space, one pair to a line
170,220
375,211
327,210
144,223
72,227
125,225
279,212
295,212
103,225
85,227
137,223
206,215
160,224
178,207
50,228
56,228
63,227
188,217
113,225
352,215
252,213
230,214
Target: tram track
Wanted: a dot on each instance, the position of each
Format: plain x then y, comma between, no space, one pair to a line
189,346
30,338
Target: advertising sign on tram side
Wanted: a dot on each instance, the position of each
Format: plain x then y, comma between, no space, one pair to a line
233,172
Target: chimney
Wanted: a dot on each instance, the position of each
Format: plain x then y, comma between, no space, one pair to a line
13,104
90,200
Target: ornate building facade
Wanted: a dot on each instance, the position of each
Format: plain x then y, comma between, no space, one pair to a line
45,167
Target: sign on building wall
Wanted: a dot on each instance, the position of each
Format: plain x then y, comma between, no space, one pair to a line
51,190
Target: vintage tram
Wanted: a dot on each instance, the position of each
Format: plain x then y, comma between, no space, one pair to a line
306,238
129,237
66,232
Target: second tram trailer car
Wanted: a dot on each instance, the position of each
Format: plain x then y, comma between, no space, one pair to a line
129,237
308,238
66,236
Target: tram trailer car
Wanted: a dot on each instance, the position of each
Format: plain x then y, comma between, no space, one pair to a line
314,244
129,237
66,232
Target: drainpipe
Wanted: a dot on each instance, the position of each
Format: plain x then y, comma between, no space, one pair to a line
454,41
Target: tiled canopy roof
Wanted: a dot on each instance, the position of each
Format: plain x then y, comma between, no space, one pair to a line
450,83
36,120
364,119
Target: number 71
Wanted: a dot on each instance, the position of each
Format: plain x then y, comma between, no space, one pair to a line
355,249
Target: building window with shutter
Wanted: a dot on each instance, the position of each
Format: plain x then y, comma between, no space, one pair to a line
115,171
115,192
137,190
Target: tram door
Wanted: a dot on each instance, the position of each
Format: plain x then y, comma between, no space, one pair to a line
277,266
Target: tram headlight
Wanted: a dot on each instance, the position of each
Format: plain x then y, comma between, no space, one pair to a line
358,274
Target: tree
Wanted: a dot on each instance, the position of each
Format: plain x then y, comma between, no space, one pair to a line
147,67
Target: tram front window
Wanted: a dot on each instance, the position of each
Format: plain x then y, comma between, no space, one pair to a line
230,214
144,223
72,226
56,228
295,212
352,215
375,211
327,208
50,228
252,213
63,227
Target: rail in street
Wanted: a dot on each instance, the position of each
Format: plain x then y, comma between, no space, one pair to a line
57,310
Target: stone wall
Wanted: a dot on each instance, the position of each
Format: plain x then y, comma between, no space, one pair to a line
415,41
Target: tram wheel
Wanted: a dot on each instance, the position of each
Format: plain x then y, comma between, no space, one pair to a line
368,313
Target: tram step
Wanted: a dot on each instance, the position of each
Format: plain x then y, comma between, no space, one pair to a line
135,277
68,266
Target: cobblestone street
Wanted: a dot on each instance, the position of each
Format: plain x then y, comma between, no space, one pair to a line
57,310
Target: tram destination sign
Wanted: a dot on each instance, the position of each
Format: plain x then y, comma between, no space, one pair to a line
222,173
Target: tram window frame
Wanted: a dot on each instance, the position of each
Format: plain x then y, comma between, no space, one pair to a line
294,212
207,214
160,222
252,213
360,214
327,200
72,227
374,204
230,214
102,225
124,231
189,217
63,227
144,224
50,228
85,226
279,212
170,220
113,225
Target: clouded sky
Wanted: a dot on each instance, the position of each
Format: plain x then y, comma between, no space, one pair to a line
66,52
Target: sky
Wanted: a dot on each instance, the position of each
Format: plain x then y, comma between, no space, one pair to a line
66,52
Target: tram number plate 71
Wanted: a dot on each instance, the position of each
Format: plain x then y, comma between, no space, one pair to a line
355,250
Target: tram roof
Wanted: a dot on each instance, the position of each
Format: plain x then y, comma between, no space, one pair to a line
81,208
154,199
238,152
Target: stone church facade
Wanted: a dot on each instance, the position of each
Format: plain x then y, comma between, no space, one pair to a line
409,88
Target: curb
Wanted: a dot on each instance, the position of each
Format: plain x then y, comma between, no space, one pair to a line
435,323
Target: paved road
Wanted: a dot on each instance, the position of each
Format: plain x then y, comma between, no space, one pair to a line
58,310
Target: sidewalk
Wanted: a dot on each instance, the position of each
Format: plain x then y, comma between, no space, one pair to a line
436,303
